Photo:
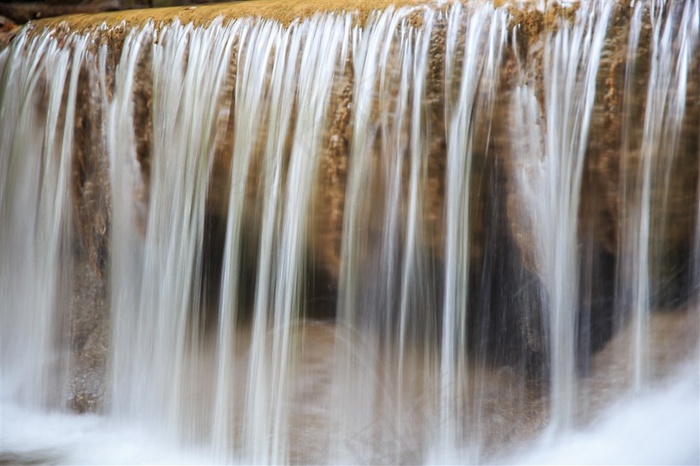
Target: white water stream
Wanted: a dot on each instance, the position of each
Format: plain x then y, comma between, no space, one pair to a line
402,371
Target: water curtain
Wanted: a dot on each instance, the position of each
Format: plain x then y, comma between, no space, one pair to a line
430,230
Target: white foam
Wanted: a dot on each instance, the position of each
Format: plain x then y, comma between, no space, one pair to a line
31,437
661,426
658,427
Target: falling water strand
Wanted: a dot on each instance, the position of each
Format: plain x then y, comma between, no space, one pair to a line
35,217
629,233
127,186
199,81
670,52
354,377
381,298
572,57
414,300
187,67
247,97
469,102
258,404
324,44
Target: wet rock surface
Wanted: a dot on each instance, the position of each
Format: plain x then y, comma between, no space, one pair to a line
89,341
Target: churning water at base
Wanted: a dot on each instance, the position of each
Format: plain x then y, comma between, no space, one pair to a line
626,433
427,238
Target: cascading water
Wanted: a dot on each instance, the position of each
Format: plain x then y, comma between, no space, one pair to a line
423,236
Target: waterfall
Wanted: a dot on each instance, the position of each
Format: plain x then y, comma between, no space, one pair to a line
36,252
449,232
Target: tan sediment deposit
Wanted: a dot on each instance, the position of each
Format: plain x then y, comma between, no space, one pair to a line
284,11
